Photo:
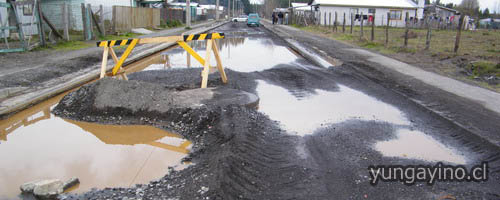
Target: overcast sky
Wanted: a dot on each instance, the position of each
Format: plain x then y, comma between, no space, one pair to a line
483,4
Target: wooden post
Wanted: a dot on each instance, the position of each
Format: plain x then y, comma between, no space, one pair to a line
387,29
206,66
113,26
101,8
407,18
324,21
41,31
352,21
319,18
329,20
65,20
84,21
373,28
188,58
104,63
459,32
343,25
428,38
219,62
361,32
89,22
335,22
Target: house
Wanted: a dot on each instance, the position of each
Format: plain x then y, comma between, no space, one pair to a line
3,21
440,11
182,5
397,10
489,23
300,8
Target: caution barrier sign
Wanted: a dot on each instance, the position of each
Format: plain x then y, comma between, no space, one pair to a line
180,40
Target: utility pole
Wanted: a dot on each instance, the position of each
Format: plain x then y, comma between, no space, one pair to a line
217,10
229,8
188,13
233,8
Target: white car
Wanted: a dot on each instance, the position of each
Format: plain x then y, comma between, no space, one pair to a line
241,18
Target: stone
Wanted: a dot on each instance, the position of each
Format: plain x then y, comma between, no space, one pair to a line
48,189
29,186
70,183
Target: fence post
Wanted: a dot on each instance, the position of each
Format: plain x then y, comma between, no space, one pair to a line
89,22
352,21
324,21
387,29
113,26
407,29
362,18
84,21
41,32
459,32
428,38
329,20
373,27
65,20
103,28
335,22
343,25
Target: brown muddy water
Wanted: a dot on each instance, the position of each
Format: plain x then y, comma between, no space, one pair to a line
34,144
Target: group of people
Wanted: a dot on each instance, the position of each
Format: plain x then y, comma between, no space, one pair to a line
278,18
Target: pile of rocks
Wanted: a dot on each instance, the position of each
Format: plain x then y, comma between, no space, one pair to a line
48,189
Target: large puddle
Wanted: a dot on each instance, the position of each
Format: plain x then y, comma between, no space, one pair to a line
417,145
238,54
303,115
34,144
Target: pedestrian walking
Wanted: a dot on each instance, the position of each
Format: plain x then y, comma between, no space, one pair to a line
280,18
274,17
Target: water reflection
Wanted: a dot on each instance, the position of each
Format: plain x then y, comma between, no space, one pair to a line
417,145
304,115
239,54
37,145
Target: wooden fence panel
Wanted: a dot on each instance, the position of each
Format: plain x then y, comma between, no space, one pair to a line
125,18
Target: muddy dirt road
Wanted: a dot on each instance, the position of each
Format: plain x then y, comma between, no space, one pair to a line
314,135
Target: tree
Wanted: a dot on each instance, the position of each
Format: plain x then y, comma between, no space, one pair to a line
427,2
450,5
486,13
469,7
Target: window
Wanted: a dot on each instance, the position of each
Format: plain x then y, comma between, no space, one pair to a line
371,10
354,10
395,14
27,10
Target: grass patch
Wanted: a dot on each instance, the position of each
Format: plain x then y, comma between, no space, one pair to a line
119,37
482,68
170,23
66,45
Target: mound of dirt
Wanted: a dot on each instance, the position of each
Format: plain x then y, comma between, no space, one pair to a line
238,152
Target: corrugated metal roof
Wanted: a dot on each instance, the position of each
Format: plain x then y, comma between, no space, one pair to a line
369,3
301,6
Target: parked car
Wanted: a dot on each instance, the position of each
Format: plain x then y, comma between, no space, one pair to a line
253,19
241,18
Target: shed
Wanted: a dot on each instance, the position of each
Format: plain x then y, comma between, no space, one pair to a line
369,8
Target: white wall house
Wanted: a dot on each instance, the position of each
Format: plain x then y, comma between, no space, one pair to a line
4,21
369,8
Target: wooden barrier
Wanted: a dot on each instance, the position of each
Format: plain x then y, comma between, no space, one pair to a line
181,41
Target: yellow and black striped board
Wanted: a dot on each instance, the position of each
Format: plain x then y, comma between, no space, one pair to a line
111,43
203,36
